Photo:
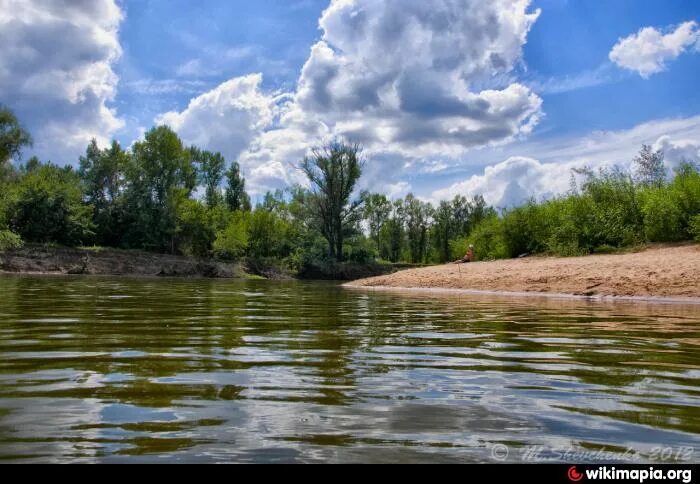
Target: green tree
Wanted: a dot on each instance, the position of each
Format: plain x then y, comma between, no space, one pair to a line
211,174
48,207
418,216
160,177
236,196
333,172
376,211
232,241
13,137
195,229
103,181
444,229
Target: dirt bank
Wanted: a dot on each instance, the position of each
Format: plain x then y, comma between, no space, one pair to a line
62,260
658,271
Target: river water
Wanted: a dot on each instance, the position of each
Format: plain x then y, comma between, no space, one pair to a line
157,370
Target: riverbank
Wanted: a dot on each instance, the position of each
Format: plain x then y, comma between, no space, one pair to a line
656,272
49,259
52,259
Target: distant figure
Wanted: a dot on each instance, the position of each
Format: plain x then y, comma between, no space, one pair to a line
468,257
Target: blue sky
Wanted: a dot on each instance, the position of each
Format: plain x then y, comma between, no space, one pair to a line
450,96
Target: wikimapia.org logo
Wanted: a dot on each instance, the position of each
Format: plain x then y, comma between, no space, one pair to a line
641,475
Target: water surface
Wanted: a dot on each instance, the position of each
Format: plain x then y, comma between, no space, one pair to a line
155,370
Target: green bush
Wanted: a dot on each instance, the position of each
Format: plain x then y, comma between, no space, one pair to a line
694,227
47,206
232,242
9,240
195,230
489,240
663,217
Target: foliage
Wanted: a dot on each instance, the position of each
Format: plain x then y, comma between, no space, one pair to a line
47,206
333,172
13,137
161,174
694,227
211,173
9,240
102,173
162,196
232,241
236,196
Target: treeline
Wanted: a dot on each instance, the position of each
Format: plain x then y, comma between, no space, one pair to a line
610,209
164,196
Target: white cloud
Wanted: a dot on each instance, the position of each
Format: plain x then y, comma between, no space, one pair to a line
677,151
56,71
399,75
402,77
517,178
648,51
227,118
512,182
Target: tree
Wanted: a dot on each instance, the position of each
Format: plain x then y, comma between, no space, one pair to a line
649,167
236,196
160,177
417,215
333,172
48,207
13,137
444,229
211,173
195,230
232,241
102,173
376,211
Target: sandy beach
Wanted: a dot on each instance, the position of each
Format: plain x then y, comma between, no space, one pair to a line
667,272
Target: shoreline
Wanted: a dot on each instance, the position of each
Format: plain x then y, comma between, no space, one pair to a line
603,298
663,274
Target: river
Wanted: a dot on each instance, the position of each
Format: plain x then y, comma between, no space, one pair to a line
161,370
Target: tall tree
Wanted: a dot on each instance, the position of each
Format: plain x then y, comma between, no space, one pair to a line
333,172
392,233
649,167
444,228
418,215
376,211
211,174
13,137
160,177
236,196
102,173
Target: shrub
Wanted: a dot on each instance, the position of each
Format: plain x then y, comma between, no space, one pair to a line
489,240
9,240
232,242
694,227
48,207
663,217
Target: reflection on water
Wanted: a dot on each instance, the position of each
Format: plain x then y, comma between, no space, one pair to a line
113,370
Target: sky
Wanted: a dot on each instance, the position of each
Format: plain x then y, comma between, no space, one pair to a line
500,98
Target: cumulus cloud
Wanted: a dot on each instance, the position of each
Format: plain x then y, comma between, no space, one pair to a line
513,181
649,50
677,151
227,118
401,74
239,120
56,71
516,179
402,77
